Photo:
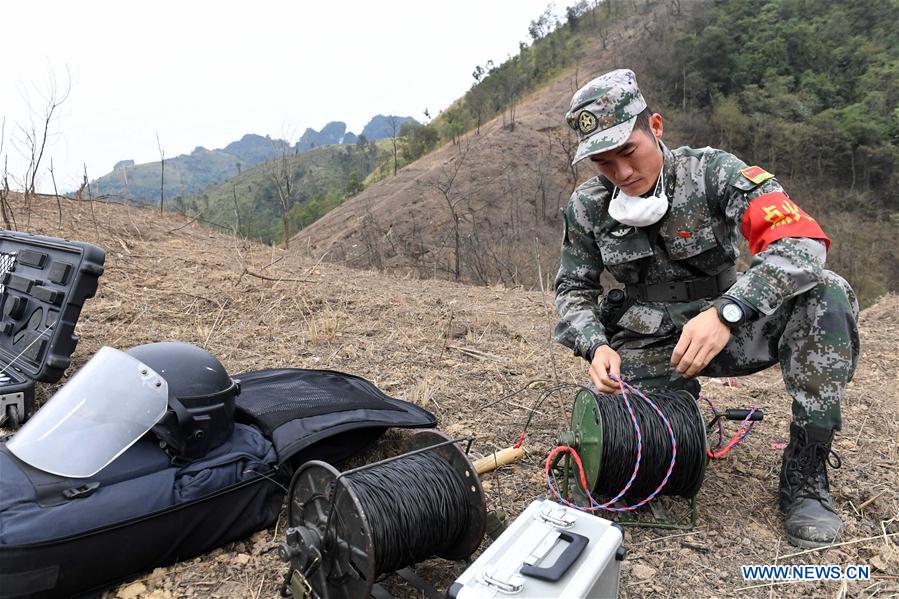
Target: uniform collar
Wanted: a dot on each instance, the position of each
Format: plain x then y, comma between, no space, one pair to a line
670,168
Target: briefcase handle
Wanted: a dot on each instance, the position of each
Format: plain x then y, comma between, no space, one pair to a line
576,545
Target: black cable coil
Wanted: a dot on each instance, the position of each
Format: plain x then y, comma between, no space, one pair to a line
416,507
619,446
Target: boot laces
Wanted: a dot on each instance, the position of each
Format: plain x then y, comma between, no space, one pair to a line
807,474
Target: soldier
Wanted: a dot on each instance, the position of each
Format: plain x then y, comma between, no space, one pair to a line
666,224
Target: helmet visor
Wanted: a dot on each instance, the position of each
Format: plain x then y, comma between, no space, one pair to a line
100,412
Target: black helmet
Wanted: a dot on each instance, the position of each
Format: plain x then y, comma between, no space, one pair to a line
200,414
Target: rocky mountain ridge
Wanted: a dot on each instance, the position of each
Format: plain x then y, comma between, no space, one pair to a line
186,174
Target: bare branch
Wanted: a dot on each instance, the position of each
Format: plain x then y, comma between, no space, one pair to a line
161,172
445,185
53,101
79,193
125,177
280,176
8,220
236,211
56,194
33,139
393,132
90,198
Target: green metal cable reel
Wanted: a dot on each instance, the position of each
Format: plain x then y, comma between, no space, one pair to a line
585,436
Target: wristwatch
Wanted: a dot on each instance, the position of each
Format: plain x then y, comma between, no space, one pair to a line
730,312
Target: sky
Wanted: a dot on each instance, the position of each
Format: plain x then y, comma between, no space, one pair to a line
200,73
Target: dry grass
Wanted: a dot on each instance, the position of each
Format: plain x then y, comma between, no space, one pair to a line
460,352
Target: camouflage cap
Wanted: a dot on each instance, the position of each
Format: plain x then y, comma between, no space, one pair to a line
604,111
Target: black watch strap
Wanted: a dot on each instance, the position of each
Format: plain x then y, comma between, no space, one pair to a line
730,312
592,351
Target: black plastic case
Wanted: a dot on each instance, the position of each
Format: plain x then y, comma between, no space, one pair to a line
44,282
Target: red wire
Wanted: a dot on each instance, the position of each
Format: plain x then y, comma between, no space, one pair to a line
738,436
745,427
580,465
594,505
520,440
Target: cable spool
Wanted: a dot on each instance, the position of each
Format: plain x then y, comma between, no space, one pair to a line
347,529
620,446
603,434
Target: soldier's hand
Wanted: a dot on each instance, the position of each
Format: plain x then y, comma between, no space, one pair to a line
606,361
703,337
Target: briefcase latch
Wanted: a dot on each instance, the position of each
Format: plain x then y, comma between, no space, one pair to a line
506,582
557,516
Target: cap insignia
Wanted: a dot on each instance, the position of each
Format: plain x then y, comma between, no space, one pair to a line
586,122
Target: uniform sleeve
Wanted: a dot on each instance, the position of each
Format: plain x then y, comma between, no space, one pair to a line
787,245
577,286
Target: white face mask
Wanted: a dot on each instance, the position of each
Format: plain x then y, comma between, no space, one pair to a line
639,211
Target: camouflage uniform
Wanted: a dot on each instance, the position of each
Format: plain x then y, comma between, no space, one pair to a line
806,316
677,243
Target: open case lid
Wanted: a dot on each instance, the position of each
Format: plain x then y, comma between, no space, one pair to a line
44,282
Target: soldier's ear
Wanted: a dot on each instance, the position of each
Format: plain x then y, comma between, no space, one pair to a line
656,124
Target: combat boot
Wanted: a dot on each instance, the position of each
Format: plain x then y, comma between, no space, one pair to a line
809,514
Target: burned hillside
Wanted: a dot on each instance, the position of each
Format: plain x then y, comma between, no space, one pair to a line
477,357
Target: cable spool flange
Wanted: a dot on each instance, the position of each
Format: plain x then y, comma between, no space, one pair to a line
351,558
332,537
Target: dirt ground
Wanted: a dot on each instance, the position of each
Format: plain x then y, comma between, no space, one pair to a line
456,350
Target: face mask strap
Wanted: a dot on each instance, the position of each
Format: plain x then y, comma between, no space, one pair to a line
659,188
660,184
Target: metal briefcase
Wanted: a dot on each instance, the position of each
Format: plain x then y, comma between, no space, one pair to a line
550,550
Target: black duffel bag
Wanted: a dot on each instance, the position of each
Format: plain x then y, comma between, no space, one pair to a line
61,537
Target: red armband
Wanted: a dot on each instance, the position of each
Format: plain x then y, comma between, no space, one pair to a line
773,216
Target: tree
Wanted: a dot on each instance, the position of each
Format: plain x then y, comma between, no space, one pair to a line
161,172
729,119
354,183
445,184
279,172
511,85
9,221
56,194
476,98
4,190
416,141
542,25
33,137
453,123
394,130
566,139
236,209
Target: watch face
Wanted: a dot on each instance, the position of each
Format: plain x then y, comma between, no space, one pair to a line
732,313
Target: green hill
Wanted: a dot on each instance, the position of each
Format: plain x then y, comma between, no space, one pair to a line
810,88
187,173
320,179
